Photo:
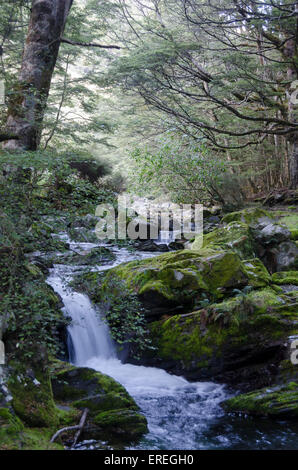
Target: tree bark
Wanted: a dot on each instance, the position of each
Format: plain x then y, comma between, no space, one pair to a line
290,51
27,107
293,165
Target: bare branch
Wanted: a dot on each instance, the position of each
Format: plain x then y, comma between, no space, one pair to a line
88,44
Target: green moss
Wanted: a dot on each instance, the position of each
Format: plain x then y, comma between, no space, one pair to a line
194,340
68,415
39,439
181,339
177,278
277,289
235,236
10,428
14,436
258,275
291,222
264,300
33,402
125,424
248,216
33,270
108,401
276,402
285,277
86,388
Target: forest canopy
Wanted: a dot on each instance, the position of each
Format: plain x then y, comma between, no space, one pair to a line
116,78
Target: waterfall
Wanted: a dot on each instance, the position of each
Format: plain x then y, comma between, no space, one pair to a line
88,334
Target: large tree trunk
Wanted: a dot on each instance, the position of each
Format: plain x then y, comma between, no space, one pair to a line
27,107
290,51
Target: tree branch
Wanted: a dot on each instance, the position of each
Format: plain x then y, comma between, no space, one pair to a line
88,44
7,136
78,427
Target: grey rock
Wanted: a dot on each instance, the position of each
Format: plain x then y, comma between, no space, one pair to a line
286,256
271,233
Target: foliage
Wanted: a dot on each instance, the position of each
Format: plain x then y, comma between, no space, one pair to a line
42,180
30,309
225,79
125,316
181,168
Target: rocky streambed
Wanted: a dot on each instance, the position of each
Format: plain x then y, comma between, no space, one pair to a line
220,319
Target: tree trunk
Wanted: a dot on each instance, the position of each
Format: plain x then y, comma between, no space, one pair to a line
27,107
294,165
290,50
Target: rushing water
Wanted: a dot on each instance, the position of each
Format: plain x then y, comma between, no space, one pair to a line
180,414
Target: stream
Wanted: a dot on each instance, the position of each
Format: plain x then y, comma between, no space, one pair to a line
181,415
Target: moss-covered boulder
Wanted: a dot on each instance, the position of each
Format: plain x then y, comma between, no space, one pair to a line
275,402
240,340
257,273
181,278
251,216
270,235
125,425
112,415
32,398
235,236
15,436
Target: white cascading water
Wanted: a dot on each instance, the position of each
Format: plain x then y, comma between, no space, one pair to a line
178,412
89,337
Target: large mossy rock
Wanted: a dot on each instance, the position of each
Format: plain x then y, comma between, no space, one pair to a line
279,402
15,436
32,398
240,341
251,216
36,407
113,414
124,425
181,278
235,236
255,232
